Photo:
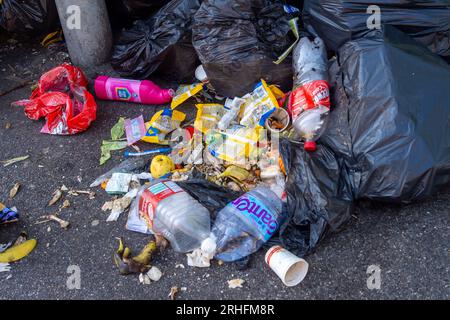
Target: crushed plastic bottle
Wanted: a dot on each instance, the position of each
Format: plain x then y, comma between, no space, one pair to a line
309,102
171,212
245,224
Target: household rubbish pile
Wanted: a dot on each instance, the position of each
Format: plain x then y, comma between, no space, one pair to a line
299,113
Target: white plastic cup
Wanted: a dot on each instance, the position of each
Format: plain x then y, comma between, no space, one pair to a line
288,267
282,116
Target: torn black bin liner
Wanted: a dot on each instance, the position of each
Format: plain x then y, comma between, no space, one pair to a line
388,136
28,17
160,44
237,42
337,21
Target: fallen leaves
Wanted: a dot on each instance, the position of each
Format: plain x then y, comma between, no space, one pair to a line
90,194
173,292
235,283
14,190
66,204
55,197
62,223
14,160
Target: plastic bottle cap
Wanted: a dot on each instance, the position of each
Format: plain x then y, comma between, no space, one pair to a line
310,146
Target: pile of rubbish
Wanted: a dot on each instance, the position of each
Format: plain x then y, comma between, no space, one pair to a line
299,113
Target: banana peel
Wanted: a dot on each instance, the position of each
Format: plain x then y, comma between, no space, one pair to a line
236,172
18,251
137,264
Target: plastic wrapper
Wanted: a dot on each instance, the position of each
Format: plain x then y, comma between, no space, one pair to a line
132,165
8,215
162,123
160,44
208,116
237,144
62,98
387,139
28,17
337,21
184,92
259,105
237,42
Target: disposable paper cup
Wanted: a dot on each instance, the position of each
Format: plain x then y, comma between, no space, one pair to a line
282,116
288,267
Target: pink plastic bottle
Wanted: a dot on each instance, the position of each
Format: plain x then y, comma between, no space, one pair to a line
145,91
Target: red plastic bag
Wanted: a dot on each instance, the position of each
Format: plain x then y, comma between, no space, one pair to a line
62,98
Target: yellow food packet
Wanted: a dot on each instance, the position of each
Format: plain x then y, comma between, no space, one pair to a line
208,116
259,105
184,92
162,123
235,145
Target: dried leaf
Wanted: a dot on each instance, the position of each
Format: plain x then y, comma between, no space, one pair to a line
91,194
14,160
173,292
64,188
14,190
56,196
95,223
135,147
8,125
235,283
65,204
63,224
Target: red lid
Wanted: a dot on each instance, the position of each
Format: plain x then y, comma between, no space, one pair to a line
190,131
310,146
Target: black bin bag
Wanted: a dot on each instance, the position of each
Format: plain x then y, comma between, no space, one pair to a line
387,139
122,13
161,44
237,42
337,21
28,17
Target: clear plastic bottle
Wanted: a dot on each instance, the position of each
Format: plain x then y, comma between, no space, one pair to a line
310,125
245,224
309,102
233,107
173,213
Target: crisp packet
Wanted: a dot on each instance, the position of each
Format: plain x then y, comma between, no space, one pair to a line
162,123
184,92
208,116
259,105
234,145
8,215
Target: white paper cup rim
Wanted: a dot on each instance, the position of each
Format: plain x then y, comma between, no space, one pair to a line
291,270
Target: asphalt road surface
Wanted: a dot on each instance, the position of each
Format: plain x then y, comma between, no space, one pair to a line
410,244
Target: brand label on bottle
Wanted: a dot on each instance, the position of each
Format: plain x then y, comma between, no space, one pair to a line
253,209
309,96
122,89
153,195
